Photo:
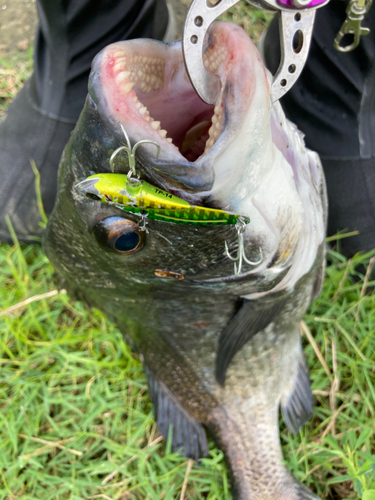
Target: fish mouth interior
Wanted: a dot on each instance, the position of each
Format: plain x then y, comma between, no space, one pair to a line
148,91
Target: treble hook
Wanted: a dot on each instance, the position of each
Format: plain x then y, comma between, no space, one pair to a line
131,153
241,228
144,221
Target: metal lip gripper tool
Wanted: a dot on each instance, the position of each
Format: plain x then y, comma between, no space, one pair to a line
296,19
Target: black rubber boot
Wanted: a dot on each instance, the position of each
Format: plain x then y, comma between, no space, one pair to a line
39,121
333,103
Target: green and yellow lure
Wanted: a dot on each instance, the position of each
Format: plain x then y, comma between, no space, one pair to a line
141,198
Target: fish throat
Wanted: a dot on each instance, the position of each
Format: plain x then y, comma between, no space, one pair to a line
148,91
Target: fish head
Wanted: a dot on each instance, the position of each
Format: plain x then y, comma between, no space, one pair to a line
143,86
231,156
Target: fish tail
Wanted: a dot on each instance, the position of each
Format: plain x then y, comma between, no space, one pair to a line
254,458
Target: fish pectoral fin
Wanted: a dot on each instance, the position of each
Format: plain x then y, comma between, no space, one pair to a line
297,405
188,435
252,317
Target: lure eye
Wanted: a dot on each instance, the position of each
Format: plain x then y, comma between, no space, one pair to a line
119,235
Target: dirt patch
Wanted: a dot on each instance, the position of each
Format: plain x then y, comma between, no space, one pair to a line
18,20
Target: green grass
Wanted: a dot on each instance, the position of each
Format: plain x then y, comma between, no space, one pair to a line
76,420
251,19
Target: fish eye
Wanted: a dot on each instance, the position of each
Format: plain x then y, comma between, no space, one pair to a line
93,196
126,242
119,235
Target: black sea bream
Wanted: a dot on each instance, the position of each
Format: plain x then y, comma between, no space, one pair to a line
221,351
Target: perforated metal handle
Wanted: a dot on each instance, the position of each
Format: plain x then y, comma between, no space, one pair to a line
295,38
198,20
296,25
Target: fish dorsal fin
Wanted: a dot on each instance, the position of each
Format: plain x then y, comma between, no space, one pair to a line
188,435
252,317
297,404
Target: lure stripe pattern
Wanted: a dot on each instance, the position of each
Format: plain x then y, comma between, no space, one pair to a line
144,199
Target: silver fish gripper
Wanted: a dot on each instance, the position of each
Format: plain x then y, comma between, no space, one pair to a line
296,21
241,256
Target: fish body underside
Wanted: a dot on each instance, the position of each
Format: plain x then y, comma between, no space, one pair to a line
221,351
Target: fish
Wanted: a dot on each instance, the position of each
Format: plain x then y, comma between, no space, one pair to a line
212,310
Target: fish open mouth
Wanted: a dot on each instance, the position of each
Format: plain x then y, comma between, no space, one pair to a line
147,90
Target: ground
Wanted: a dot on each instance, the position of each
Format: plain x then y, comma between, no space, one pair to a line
18,19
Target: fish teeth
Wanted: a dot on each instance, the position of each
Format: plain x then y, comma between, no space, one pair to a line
155,125
123,75
119,54
138,105
163,133
127,87
169,139
120,64
143,110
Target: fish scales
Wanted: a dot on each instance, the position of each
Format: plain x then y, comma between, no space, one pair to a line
221,351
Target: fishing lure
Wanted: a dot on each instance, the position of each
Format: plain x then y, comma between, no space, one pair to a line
141,198
138,197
